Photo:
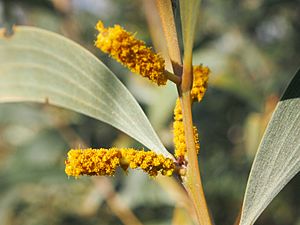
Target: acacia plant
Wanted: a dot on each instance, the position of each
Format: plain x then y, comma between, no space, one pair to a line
40,66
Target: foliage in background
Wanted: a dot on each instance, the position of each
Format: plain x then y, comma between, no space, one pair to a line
250,55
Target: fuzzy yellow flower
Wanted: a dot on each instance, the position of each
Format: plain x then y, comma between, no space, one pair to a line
131,52
198,90
134,54
105,162
179,134
200,82
91,162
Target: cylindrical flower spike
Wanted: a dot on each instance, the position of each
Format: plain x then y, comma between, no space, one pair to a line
179,135
201,74
131,52
105,162
92,162
200,82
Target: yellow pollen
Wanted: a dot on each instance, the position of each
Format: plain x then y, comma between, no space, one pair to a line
201,74
91,162
179,139
102,162
179,134
131,52
177,111
198,90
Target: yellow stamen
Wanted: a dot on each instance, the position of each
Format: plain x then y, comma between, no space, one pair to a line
179,135
131,52
200,82
105,162
177,111
198,90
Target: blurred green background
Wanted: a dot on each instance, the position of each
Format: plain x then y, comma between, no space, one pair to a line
253,50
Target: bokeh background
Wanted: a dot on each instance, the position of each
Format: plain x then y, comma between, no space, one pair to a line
253,50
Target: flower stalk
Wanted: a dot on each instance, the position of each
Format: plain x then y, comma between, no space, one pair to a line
169,28
172,77
192,180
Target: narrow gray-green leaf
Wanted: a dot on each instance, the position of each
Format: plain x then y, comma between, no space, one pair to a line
41,66
278,157
189,12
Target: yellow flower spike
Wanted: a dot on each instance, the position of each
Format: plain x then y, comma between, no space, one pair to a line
178,132
201,74
92,162
105,162
179,139
168,167
177,111
131,52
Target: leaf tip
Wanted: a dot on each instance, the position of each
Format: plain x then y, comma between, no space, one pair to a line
293,90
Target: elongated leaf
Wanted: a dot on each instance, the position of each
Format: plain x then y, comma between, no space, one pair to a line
278,157
41,66
188,11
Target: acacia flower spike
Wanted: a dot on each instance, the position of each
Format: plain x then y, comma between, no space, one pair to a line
201,74
200,81
131,52
179,135
104,162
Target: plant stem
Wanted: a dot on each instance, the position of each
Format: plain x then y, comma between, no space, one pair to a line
193,182
168,24
172,77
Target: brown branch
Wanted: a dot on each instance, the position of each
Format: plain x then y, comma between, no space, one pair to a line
168,24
